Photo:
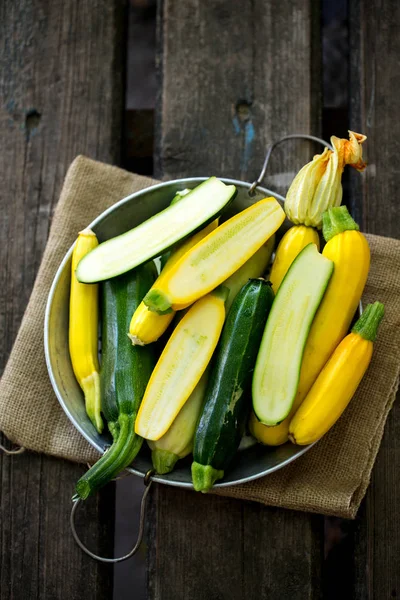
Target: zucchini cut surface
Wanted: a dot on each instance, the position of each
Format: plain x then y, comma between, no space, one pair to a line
217,256
152,237
277,370
180,366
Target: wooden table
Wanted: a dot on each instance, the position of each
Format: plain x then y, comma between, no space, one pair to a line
233,76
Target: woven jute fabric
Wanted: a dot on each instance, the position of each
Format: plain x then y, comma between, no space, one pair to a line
331,478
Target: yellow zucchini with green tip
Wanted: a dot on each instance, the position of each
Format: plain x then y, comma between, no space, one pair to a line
215,258
83,331
147,326
348,249
181,364
338,381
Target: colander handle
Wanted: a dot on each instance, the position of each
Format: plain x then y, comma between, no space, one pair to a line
147,482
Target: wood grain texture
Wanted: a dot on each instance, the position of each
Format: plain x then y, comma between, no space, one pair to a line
375,81
61,85
234,76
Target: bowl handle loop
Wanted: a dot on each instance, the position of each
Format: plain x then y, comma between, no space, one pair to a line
10,452
147,482
272,147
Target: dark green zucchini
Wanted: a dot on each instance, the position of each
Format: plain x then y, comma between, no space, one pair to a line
125,371
221,423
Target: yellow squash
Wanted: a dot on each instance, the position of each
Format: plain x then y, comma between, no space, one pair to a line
269,436
147,326
292,243
83,331
338,380
216,257
181,365
349,251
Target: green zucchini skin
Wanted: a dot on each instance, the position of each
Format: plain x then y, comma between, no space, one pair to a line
122,387
221,423
125,371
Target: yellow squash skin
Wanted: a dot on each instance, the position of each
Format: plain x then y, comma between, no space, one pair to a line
216,257
332,391
269,436
292,243
181,365
147,326
350,254
83,331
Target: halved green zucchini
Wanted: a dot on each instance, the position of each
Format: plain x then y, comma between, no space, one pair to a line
279,359
157,234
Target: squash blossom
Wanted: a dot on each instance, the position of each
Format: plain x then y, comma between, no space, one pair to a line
318,185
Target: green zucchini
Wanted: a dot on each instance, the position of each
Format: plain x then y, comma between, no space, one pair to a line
153,237
125,371
277,371
222,421
178,441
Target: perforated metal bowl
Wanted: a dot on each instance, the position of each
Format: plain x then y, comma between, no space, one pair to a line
252,462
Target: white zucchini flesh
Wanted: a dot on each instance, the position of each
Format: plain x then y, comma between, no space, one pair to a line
277,370
152,237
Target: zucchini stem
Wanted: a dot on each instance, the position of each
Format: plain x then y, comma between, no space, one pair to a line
337,220
222,292
158,301
204,477
163,461
119,456
367,325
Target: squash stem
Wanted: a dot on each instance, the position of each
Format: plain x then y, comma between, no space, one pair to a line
157,301
119,456
204,477
163,460
337,220
367,325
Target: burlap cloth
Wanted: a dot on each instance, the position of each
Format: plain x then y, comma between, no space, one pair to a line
331,478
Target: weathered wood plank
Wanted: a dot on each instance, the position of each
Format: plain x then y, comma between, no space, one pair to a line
61,94
375,80
234,76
